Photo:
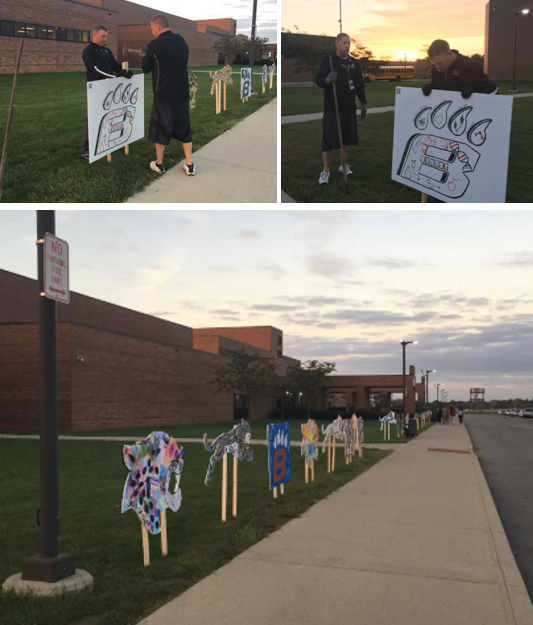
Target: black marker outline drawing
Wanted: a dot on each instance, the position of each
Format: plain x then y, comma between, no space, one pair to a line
119,120
441,164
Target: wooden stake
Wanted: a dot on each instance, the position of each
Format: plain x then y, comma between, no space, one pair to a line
306,472
275,492
334,453
146,546
109,158
224,96
126,149
164,543
424,198
10,118
235,466
329,455
224,486
282,489
312,470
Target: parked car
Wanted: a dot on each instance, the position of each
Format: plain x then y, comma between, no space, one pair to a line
527,413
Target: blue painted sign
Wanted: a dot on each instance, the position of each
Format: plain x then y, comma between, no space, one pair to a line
279,454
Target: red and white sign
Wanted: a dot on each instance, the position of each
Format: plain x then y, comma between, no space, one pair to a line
56,269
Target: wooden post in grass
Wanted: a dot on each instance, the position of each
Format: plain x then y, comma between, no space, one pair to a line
224,96
312,470
224,485
306,472
282,489
10,118
126,66
164,543
271,78
146,546
424,198
109,158
334,453
275,492
329,455
235,465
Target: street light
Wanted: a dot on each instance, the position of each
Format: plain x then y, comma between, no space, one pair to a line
437,387
340,15
404,345
428,371
523,12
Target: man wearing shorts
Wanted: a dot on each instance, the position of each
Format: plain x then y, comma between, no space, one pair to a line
166,57
348,77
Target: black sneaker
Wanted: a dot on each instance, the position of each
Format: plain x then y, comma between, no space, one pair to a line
85,154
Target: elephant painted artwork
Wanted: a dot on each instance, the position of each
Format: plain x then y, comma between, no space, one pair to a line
348,437
151,465
451,148
334,430
310,434
388,418
235,442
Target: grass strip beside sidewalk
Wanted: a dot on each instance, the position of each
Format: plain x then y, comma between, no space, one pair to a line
44,160
107,543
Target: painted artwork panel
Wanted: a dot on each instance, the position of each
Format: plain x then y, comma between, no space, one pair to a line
310,435
151,465
237,442
115,109
452,148
246,82
279,454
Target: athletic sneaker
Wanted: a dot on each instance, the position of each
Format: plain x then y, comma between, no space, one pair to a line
324,177
189,169
348,170
158,168
85,154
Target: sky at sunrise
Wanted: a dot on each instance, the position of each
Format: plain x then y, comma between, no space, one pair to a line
391,28
267,13
344,286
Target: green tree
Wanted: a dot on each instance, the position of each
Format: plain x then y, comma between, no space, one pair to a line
225,45
244,374
479,58
307,53
307,380
425,51
364,56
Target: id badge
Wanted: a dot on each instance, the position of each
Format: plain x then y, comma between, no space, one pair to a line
350,82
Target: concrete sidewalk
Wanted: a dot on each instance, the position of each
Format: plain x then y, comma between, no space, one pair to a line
416,540
240,165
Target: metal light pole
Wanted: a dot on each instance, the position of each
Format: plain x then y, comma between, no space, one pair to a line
50,566
523,12
437,387
428,371
404,345
252,43
340,15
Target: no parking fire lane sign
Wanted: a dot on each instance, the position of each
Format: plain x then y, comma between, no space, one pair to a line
56,269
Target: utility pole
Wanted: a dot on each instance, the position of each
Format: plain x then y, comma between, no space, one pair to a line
252,43
340,15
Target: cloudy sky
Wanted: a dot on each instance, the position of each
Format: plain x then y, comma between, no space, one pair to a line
391,28
344,286
267,13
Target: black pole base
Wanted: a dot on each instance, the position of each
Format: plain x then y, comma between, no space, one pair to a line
51,570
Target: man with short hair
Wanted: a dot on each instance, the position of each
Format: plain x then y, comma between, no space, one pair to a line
100,65
452,71
348,77
167,57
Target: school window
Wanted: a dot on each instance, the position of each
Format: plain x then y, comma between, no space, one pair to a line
39,31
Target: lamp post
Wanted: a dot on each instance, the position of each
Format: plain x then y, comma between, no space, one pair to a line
252,43
428,371
404,345
437,387
340,15
523,12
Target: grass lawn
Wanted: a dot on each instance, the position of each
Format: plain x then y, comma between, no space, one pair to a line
300,100
371,162
372,431
108,544
44,162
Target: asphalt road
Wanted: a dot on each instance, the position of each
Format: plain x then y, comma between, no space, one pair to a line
504,446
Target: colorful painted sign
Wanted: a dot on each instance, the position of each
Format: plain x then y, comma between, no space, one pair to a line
151,465
235,442
452,148
265,74
279,454
334,430
310,434
246,82
388,418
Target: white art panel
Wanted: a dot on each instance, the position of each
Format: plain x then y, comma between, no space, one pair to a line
452,148
246,82
116,114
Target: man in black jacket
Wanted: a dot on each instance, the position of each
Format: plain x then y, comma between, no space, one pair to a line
348,77
167,57
452,71
100,65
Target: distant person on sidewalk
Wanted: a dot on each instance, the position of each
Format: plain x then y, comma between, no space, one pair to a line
453,71
446,416
348,78
461,414
439,415
100,65
453,412
166,57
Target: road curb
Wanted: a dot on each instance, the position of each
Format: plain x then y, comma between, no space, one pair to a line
515,598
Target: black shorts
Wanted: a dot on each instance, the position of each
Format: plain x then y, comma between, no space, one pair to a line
330,132
170,121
